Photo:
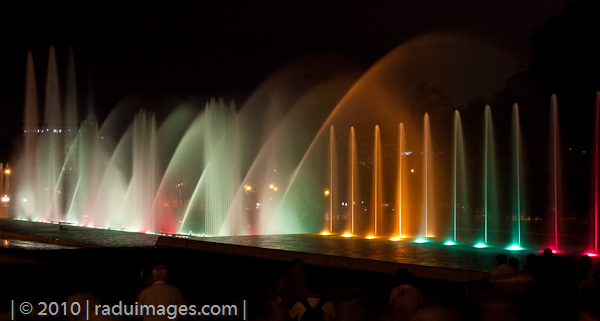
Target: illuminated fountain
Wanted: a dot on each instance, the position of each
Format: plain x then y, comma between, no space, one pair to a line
490,206
516,183
343,155
401,193
459,181
596,167
556,181
220,171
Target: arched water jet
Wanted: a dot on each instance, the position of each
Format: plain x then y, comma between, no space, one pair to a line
110,163
179,145
221,166
215,189
299,194
89,157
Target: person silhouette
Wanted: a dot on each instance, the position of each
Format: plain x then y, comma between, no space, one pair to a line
160,293
312,306
405,298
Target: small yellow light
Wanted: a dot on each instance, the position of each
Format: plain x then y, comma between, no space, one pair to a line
325,233
7,171
395,239
326,192
271,186
275,189
370,237
412,170
248,188
347,235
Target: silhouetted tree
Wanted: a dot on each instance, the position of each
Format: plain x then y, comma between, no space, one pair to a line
565,62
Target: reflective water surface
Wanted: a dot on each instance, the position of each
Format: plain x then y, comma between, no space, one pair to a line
463,257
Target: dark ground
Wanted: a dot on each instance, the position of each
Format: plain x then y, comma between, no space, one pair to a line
40,270
203,278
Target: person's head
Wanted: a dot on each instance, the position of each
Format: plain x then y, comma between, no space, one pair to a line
530,258
513,262
160,273
547,252
586,260
297,268
403,276
501,259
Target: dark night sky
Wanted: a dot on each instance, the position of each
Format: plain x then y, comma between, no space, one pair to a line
227,48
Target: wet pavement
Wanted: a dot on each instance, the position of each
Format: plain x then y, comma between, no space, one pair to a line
73,235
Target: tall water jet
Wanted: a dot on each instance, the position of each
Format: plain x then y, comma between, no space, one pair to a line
51,143
426,173
353,161
70,118
89,158
489,176
596,165
377,197
517,178
454,172
459,180
331,192
70,129
401,180
215,189
555,136
28,166
221,170
144,176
